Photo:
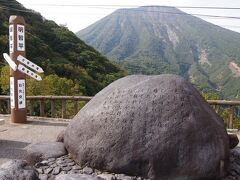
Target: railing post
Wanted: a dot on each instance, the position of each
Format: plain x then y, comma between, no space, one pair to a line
63,108
217,108
8,106
53,108
231,117
42,108
31,107
75,107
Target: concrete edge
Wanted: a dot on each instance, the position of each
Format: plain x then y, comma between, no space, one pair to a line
41,118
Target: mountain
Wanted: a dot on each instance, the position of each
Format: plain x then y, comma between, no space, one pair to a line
59,51
155,40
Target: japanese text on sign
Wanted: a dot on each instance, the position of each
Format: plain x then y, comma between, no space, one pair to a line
11,38
21,94
12,92
20,38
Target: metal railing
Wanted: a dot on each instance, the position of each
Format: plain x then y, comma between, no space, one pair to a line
57,106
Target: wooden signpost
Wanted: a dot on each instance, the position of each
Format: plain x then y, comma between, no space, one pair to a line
17,70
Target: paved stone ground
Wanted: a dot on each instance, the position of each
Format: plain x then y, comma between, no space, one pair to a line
14,138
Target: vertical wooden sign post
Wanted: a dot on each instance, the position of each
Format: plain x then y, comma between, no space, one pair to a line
17,78
18,71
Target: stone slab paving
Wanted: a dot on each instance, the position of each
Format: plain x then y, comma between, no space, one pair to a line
15,138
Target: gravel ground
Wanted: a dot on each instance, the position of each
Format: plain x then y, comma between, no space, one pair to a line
15,138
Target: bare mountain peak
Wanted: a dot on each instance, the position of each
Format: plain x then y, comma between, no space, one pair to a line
151,10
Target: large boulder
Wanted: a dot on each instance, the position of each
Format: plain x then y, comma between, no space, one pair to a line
157,127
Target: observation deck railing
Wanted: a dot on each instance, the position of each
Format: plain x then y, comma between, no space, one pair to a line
68,106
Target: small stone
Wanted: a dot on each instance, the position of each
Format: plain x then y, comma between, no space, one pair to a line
60,162
48,170
37,165
71,163
44,162
63,165
97,172
52,177
40,170
53,165
63,157
68,168
76,167
107,176
124,177
87,170
43,177
74,172
56,170
45,167
81,171
51,159
63,172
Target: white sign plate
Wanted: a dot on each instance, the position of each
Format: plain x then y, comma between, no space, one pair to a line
10,61
21,94
12,92
11,38
20,38
30,73
30,64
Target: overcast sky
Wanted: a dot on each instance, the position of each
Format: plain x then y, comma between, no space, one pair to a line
79,17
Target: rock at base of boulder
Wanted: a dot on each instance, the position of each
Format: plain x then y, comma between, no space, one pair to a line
41,151
76,177
17,169
234,165
60,137
233,140
107,176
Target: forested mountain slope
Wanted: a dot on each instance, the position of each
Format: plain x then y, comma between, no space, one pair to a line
155,40
63,56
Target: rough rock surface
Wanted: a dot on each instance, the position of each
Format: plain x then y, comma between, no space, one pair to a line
234,165
40,151
17,170
157,127
233,140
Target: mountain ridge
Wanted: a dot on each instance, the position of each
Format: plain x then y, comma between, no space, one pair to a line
156,40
